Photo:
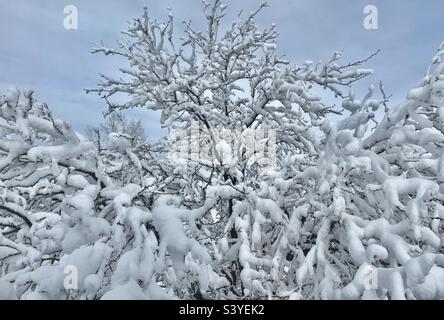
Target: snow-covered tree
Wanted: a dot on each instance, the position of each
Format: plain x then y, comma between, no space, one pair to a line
231,80
116,123
378,208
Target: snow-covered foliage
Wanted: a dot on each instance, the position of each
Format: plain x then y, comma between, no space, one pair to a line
349,209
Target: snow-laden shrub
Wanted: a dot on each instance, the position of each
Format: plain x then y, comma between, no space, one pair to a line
64,204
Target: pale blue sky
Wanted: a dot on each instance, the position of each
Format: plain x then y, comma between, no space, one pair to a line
37,52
